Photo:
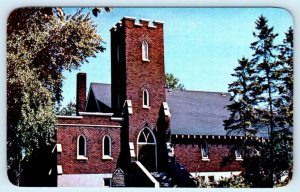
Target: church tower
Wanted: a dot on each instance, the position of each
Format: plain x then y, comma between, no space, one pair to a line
138,75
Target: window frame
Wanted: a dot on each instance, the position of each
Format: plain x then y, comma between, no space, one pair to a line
238,154
147,141
105,156
145,51
147,104
80,156
204,148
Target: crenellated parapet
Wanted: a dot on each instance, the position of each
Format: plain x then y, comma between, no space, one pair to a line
132,22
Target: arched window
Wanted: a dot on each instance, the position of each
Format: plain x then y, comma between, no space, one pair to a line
146,136
106,147
204,150
145,55
81,147
147,149
145,98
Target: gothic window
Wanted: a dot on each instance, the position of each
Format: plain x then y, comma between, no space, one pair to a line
146,149
204,150
145,98
145,53
146,137
106,147
81,147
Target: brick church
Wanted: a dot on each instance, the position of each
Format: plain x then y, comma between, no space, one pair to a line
135,132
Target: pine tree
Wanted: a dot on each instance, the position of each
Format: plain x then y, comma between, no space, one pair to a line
242,114
262,96
283,138
266,74
286,62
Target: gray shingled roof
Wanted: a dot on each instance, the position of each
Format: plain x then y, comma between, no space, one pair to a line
102,92
192,112
198,112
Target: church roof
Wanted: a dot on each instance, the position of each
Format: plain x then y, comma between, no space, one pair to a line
192,112
102,93
197,112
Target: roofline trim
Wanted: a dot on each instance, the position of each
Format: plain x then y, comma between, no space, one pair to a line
96,114
188,136
89,125
68,117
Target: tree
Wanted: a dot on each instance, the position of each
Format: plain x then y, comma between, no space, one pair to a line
262,100
267,74
283,138
243,116
286,62
172,82
70,109
41,44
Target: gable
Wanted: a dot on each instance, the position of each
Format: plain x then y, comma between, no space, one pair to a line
99,98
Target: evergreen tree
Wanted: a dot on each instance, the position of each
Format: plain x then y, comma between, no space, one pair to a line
262,96
283,138
267,74
285,88
242,114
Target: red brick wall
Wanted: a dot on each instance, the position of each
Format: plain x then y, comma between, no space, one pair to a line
131,75
67,136
190,157
89,119
143,74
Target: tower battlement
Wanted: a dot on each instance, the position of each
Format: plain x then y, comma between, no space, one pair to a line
132,22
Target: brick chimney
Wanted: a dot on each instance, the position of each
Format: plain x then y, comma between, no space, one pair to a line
81,93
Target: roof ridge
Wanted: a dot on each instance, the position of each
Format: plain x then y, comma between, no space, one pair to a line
220,92
100,83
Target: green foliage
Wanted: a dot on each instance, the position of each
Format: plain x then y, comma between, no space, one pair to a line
70,109
285,89
41,44
262,98
172,82
243,115
235,181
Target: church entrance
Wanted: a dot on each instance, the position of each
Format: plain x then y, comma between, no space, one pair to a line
146,149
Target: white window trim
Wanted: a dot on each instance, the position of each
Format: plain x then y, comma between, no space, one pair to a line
204,158
104,156
139,144
145,51
147,106
81,157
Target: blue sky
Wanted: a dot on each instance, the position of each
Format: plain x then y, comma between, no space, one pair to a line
202,45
